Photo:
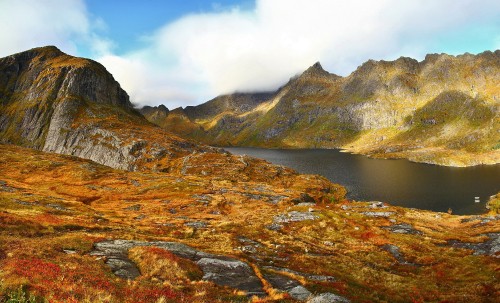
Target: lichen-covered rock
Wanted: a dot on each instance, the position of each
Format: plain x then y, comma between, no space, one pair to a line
328,298
232,273
299,293
295,216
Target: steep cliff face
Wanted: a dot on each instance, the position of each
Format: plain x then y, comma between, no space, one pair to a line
47,98
443,110
58,103
35,83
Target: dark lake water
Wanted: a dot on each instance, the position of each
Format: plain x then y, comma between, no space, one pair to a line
398,182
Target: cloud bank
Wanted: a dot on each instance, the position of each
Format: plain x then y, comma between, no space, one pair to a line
27,24
202,55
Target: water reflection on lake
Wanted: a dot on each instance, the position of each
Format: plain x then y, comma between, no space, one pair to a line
399,182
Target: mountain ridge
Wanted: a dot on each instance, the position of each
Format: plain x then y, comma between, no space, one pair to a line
388,109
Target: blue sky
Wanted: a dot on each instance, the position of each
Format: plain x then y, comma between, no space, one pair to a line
180,53
129,21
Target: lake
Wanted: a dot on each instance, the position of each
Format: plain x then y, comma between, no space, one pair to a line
398,182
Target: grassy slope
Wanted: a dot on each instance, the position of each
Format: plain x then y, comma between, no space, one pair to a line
342,243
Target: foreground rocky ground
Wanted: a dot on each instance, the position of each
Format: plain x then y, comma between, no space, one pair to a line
72,230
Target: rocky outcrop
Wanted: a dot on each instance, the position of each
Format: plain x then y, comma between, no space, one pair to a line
221,270
401,108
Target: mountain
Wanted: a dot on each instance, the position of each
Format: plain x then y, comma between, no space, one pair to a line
443,110
57,103
99,205
54,102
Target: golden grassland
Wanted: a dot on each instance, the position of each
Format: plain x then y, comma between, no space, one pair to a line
51,205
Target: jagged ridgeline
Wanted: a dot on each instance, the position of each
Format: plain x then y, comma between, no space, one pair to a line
443,110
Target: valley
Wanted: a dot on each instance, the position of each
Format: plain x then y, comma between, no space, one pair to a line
97,204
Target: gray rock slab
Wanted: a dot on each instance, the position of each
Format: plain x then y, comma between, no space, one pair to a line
295,216
232,273
300,293
328,298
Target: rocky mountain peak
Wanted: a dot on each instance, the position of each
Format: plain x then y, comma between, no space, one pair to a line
316,70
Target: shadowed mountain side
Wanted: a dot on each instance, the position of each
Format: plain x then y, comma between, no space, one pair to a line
370,111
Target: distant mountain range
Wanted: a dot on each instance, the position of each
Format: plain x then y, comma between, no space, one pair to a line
443,110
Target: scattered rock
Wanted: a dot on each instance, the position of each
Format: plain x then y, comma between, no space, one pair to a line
273,199
482,219
140,217
135,183
321,278
328,298
396,253
221,270
56,207
4,187
196,224
232,273
204,199
384,214
20,202
377,204
274,226
69,251
403,228
490,247
295,216
135,207
281,282
299,293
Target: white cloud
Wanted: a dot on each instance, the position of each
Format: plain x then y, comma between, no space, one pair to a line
31,23
202,55
238,50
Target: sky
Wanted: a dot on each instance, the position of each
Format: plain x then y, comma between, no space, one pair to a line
186,52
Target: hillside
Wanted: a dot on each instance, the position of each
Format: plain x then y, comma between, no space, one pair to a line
72,230
443,110
99,205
